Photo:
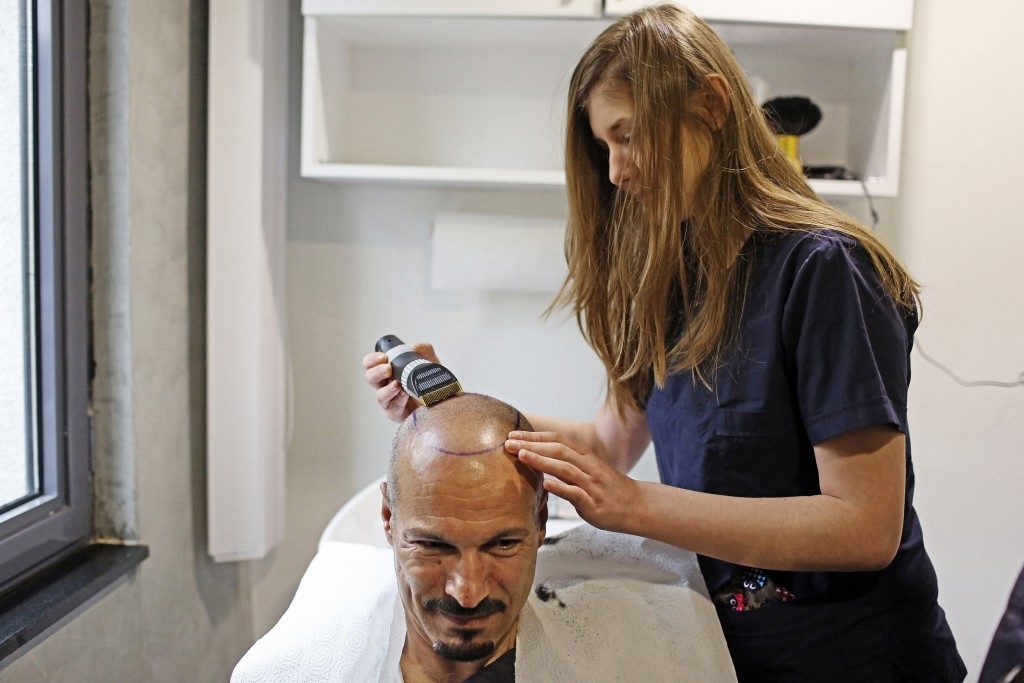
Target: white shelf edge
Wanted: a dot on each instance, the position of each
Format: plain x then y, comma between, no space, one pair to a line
453,176
436,175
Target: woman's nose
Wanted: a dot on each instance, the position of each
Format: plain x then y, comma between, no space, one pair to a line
617,168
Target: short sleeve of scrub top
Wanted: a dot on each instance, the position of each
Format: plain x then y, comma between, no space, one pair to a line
845,343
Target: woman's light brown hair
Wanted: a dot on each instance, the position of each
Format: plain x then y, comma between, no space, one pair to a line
654,295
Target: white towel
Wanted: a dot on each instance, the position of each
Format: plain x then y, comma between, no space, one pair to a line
605,607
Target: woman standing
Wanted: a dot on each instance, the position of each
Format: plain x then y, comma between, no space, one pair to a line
761,338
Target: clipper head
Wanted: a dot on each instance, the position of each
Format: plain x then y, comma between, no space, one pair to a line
429,382
435,396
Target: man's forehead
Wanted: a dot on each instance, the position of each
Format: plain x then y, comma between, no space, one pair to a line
470,488
463,527
460,531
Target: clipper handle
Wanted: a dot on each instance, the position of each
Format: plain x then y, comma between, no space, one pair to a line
387,342
403,359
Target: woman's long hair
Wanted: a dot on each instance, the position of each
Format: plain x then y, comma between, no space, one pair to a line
654,295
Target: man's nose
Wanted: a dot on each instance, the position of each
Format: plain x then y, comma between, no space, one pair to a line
467,582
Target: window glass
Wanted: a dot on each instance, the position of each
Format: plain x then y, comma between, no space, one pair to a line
19,470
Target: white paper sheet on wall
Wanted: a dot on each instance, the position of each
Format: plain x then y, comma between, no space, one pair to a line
495,252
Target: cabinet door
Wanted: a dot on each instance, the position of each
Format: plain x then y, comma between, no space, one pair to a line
882,14
487,8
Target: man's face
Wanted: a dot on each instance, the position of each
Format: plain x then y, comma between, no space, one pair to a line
465,536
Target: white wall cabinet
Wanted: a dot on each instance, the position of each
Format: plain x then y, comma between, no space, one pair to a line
880,14
471,93
466,8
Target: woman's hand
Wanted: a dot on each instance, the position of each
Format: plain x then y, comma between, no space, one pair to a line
396,403
602,495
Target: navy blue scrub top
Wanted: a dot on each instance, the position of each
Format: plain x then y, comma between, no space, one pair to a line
821,350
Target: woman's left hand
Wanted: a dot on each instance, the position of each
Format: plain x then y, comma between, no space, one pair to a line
603,496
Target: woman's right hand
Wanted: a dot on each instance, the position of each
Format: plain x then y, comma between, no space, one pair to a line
396,403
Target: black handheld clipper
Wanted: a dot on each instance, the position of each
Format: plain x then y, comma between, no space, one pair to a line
429,382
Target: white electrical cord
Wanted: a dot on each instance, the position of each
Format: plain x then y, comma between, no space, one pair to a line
968,383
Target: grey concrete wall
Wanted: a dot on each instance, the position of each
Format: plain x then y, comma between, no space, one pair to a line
181,618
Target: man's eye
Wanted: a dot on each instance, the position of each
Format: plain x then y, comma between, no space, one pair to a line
430,545
506,544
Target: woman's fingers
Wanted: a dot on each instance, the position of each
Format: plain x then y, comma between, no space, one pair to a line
426,350
388,393
549,449
378,369
544,437
602,496
395,401
573,494
399,403
556,467
535,436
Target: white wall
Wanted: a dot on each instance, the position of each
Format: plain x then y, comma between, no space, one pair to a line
959,226
358,268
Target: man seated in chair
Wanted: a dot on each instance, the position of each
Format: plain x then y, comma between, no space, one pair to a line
452,601
465,520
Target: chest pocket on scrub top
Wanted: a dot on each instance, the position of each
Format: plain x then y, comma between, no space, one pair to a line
757,454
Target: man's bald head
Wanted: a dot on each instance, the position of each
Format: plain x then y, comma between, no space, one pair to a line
465,432
465,520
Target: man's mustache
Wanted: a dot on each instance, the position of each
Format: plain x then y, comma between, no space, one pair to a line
450,606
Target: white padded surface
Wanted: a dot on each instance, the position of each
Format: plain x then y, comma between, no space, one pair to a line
338,625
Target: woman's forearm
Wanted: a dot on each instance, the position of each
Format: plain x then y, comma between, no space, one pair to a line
807,533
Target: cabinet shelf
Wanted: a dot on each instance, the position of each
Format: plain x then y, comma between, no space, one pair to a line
456,176
459,176
478,101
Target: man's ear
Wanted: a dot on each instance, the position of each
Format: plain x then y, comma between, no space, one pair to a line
385,511
713,101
